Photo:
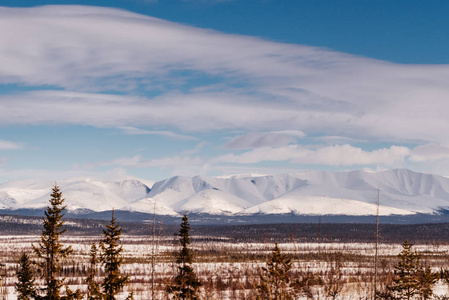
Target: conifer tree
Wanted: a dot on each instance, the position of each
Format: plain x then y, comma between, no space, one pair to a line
93,287
427,280
111,258
50,251
275,277
185,285
406,281
25,286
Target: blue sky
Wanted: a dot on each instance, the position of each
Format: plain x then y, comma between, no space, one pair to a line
160,88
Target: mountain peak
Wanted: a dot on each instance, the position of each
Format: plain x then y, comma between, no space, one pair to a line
402,192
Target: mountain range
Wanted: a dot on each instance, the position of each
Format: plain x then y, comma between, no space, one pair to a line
401,193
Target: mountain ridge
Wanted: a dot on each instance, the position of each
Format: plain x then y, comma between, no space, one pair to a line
353,193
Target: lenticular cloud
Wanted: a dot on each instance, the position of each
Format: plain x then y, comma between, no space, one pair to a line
203,80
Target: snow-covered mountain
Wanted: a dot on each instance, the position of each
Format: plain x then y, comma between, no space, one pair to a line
402,192
80,194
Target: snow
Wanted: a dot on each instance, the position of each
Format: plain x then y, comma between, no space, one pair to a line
79,193
402,192
314,205
213,202
150,205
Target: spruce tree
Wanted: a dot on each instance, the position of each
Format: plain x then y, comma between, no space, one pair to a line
50,251
93,287
275,277
406,281
25,286
185,285
427,280
111,258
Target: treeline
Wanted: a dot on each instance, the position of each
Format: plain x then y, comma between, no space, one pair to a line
299,232
328,232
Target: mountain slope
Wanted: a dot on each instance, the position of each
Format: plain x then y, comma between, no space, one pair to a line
402,192
80,194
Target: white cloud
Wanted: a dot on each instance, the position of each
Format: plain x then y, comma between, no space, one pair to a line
119,162
138,162
137,131
338,155
7,145
187,112
195,150
333,140
3,161
172,162
264,139
429,152
58,175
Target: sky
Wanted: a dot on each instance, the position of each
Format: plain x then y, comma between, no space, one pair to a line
153,89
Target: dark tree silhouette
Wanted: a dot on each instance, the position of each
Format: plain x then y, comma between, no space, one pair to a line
111,259
185,285
406,281
50,251
25,286
93,287
427,280
275,278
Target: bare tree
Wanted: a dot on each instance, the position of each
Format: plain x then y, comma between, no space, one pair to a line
333,280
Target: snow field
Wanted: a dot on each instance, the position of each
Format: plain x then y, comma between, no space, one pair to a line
228,270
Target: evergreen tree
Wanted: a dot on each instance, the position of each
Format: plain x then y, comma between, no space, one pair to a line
50,251
427,280
275,277
185,284
25,287
111,258
406,281
93,287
